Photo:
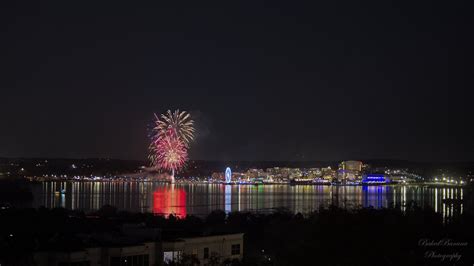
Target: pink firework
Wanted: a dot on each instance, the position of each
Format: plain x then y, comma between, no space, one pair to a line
169,151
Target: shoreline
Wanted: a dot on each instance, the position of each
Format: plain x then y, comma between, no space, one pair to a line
178,182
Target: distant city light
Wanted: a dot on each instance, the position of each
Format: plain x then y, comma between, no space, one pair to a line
228,175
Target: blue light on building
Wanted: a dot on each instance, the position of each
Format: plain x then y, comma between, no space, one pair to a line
374,179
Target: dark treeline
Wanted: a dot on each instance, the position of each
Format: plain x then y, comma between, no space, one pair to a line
330,236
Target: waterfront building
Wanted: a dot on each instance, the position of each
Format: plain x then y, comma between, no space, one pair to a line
328,174
369,179
217,176
351,166
314,172
349,171
402,176
222,176
280,174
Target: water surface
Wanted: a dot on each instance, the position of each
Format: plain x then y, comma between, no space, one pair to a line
201,199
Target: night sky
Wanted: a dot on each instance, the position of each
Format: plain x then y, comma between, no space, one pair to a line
315,80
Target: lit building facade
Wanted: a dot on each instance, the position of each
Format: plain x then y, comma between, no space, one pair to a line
350,171
328,174
369,179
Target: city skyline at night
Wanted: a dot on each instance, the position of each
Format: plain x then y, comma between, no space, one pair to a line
236,133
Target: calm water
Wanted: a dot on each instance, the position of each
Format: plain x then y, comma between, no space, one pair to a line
201,199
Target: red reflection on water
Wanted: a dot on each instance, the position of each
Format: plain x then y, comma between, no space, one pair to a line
168,201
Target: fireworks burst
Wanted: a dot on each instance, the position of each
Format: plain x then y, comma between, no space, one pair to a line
169,146
180,122
170,153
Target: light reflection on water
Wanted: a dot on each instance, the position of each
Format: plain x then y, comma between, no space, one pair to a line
201,199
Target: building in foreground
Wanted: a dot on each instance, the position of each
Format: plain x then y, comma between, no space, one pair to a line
127,250
144,254
219,249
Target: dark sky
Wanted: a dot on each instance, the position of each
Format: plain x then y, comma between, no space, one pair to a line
314,80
